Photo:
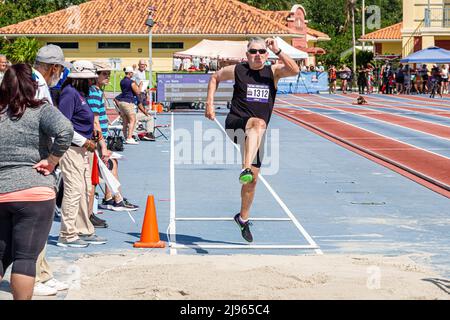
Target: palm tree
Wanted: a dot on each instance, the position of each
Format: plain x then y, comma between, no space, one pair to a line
350,7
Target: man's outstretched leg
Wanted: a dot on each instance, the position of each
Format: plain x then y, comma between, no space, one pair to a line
254,132
247,196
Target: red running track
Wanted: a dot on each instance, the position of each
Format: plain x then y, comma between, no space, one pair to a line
428,169
418,125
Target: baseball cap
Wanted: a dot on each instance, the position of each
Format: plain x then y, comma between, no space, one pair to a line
82,69
52,54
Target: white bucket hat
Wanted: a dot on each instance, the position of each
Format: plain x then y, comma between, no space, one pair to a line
83,69
128,69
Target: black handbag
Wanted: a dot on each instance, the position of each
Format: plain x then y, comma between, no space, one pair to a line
115,143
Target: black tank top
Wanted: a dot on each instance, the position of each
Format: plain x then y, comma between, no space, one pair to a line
254,92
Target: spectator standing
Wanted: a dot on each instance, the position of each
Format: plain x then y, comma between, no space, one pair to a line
139,76
444,73
47,71
400,79
370,78
3,66
320,68
76,228
96,102
423,72
362,79
407,80
332,76
125,101
344,75
27,179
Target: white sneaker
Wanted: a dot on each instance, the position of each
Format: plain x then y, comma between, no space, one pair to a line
56,284
131,141
41,289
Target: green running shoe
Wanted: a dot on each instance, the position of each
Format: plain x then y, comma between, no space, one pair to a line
246,176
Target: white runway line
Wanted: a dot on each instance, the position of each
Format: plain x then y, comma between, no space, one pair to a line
283,206
172,224
230,219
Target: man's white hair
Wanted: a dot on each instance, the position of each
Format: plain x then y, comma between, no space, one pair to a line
3,56
256,40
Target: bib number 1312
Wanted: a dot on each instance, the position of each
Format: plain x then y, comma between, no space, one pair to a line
258,93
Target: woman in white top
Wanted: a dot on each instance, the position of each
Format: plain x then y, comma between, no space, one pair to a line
444,73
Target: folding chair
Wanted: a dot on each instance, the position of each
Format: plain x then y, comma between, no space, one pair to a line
115,127
161,134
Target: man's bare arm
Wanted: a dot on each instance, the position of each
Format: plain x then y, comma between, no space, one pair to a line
224,74
288,68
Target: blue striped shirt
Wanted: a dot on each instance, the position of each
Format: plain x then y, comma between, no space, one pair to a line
97,104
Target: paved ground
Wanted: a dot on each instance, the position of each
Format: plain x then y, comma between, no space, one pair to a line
345,202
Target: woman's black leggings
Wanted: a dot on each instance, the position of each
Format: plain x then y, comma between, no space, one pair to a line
24,229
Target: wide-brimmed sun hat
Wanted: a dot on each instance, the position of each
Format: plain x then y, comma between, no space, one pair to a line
102,66
82,69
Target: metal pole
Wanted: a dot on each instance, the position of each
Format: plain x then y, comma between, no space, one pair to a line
363,22
150,62
115,74
354,42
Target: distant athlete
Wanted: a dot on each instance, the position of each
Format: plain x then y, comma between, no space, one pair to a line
254,94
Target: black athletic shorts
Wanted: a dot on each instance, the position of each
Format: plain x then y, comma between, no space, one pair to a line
235,128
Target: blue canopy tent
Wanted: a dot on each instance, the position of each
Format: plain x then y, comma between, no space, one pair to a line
428,55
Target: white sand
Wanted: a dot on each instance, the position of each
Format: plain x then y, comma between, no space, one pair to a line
150,275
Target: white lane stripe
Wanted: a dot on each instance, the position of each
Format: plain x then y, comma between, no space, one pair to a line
385,112
229,219
406,104
172,223
367,130
283,205
243,246
419,102
384,121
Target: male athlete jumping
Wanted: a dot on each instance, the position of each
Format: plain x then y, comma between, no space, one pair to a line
254,94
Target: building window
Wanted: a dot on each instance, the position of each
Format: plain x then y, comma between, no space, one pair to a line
378,48
114,45
167,45
66,45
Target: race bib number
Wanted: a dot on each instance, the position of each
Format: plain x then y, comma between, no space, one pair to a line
257,93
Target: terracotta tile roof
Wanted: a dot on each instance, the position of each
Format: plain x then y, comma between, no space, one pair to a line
172,17
281,17
393,32
317,34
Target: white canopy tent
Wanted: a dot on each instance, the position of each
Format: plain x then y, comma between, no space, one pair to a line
235,50
291,51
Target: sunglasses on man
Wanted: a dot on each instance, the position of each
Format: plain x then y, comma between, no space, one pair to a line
254,51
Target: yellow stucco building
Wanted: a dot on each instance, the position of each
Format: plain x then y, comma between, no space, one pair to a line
425,23
116,30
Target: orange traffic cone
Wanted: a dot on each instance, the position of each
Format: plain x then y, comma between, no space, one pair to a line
150,233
